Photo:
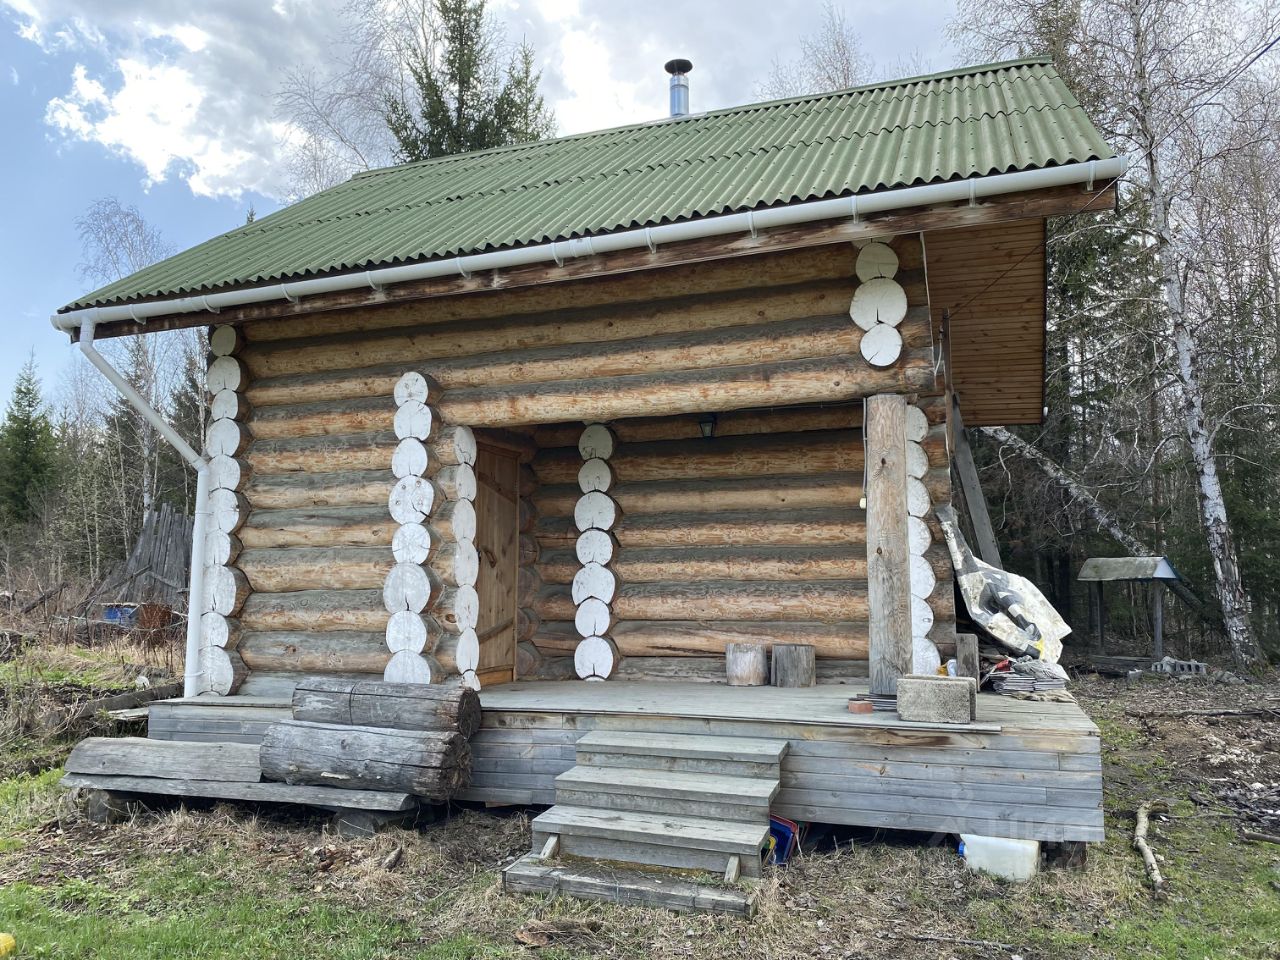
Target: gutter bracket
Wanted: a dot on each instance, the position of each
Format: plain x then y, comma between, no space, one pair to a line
462,271
853,209
973,191
555,253
373,284
284,289
1088,184
751,224
211,309
648,240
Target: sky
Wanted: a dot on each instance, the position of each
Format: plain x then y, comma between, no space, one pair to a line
170,106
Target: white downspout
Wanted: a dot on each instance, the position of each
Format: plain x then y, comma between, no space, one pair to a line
193,671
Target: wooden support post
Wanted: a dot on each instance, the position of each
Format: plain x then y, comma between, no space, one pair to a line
967,663
983,533
888,558
1157,619
1100,612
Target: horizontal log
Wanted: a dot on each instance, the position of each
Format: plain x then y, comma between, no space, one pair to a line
823,600
727,493
660,638
781,528
319,527
445,706
318,610
337,651
433,764
727,388
323,418
316,568
288,491
364,451
653,564
836,451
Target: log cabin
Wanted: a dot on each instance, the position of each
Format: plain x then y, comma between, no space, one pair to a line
569,420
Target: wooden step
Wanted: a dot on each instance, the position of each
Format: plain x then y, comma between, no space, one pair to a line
655,839
745,799
531,874
729,756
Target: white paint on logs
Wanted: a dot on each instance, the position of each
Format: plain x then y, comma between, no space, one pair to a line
226,473
594,580
917,424
405,667
225,591
595,511
467,653
917,498
463,442
466,563
411,500
462,518
225,373
224,340
414,543
410,459
415,419
471,681
595,475
593,617
917,460
922,578
596,442
919,539
921,617
463,605
464,481
406,632
225,405
881,346
595,546
224,438
409,587
412,386
216,630
925,659
224,670
228,510
878,301
876,260
595,658
220,548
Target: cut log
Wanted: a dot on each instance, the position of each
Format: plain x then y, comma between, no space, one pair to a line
921,617
412,499
695,638
457,564
410,587
166,760
746,664
459,653
310,653
529,551
595,658
594,475
414,543
528,660
657,564
917,424
527,624
315,568
227,473
220,549
409,632
225,590
917,461
925,659
876,260
528,586
594,580
315,610
458,609
398,706
595,546
414,386
881,346
224,670
217,630
919,539
596,442
407,667
416,420
593,618
455,445
595,511
458,482
411,459
455,520
224,340
432,764
721,600
228,510
879,301
228,405
794,665
922,578
918,504
225,438
225,373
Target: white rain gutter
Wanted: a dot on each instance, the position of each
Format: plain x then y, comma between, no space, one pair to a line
193,670
972,190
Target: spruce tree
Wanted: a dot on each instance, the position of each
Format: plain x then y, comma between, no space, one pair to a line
28,449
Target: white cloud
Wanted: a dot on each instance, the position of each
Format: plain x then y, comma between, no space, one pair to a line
13,75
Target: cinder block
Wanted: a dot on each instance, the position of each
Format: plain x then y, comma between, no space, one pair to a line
937,699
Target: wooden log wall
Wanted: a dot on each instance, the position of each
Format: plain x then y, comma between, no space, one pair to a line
764,508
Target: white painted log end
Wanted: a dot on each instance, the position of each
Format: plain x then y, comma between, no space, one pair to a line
594,580
227,473
466,563
407,632
224,340
460,607
463,481
919,538
228,510
227,405
414,543
224,670
410,587
921,617
408,667
878,301
923,579
876,260
413,386
471,680
595,658
917,460
415,420
220,548
881,346
925,659
225,437
460,517
917,498
593,617
595,511
412,499
917,424
410,459
218,631
595,475
225,373
595,546
467,654
597,441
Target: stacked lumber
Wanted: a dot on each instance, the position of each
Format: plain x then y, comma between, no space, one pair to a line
371,735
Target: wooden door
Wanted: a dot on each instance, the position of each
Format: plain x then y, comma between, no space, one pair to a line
498,543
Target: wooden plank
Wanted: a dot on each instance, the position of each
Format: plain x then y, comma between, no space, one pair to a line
141,757
702,834
692,786
328,797
941,822
930,806
971,488
689,746
888,567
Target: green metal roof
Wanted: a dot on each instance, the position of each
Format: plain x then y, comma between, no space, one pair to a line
983,120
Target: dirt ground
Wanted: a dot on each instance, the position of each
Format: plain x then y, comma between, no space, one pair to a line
271,883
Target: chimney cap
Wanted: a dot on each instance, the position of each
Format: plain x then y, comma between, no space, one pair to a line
678,66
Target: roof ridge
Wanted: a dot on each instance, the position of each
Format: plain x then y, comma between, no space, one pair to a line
721,111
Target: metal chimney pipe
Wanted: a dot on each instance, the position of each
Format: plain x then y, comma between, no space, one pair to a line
679,70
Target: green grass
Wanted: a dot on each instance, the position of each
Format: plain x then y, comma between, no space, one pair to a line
26,802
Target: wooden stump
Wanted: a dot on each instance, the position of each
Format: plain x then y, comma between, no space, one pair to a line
794,665
746,664
967,664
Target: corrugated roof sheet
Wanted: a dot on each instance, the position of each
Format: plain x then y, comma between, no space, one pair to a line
983,120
